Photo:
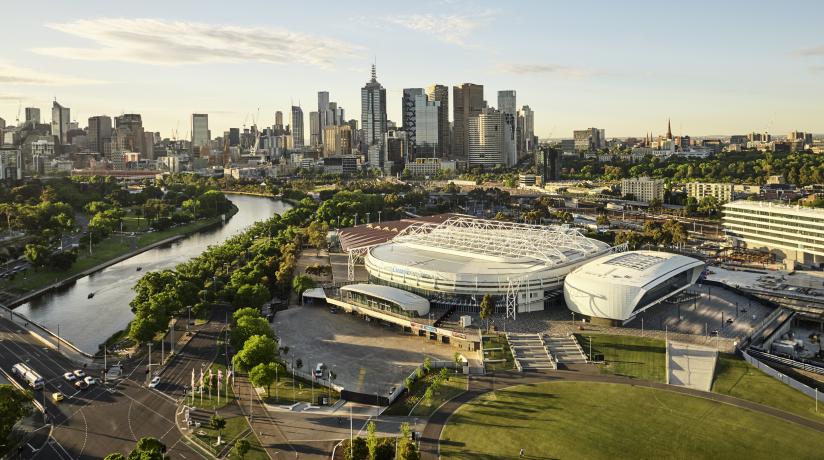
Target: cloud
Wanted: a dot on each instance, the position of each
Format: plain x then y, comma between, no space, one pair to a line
162,42
560,70
814,51
450,28
13,75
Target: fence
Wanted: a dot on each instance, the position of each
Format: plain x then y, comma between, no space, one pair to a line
11,315
788,362
811,392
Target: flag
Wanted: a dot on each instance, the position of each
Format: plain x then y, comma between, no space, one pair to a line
219,376
193,379
210,376
201,378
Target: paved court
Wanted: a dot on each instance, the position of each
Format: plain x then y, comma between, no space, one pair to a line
690,366
366,356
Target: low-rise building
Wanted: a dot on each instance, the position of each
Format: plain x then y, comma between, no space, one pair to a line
700,190
643,188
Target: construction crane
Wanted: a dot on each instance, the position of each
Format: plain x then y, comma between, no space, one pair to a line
19,107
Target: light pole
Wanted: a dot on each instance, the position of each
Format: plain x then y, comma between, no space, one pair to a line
189,307
150,359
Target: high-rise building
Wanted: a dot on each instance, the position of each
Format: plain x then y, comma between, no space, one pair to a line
297,127
486,139
234,137
337,140
468,101
548,164
440,94
315,126
587,140
32,115
643,189
723,192
373,111
200,130
427,129
60,122
526,127
395,151
2,126
128,135
322,118
100,134
408,113
278,120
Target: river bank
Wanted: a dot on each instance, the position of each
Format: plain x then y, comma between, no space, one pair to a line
34,283
88,321
238,192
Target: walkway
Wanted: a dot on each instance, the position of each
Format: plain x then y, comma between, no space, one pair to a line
530,352
565,349
690,366
431,435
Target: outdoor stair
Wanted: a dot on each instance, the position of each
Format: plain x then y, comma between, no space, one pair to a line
530,353
565,349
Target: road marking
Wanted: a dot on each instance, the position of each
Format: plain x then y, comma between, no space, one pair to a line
85,433
129,417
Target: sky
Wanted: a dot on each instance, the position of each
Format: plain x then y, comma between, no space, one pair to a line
713,68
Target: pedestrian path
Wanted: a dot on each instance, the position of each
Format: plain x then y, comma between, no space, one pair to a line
690,366
530,352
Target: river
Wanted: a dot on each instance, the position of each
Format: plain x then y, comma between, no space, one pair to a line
88,322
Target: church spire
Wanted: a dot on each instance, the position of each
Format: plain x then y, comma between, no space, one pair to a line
669,129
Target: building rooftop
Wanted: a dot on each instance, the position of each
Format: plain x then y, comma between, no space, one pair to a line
776,207
634,268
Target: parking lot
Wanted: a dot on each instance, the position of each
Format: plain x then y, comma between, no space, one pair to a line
366,356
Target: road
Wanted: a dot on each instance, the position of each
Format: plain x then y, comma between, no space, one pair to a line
92,423
430,438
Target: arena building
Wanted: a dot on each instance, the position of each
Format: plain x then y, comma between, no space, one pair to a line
616,287
456,262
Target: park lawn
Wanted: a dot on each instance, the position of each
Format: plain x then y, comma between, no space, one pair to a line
736,377
638,357
256,451
282,392
109,248
498,341
607,421
411,403
234,427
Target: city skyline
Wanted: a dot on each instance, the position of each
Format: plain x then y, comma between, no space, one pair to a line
626,71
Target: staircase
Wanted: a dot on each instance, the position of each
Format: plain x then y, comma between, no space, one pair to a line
565,349
530,353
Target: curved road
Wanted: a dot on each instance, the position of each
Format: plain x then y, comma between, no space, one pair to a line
430,438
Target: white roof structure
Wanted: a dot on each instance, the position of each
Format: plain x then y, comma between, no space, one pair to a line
619,286
496,240
403,299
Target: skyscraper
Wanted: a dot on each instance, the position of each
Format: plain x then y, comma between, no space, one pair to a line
60,122
322,119
408,114
315,123
32,115
373,111
100,134
297,127
278,120
485,138
468,100
128,135
427,130
507,104
526,126
440,94
200,130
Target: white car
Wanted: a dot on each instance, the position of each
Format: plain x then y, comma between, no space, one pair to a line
70,377
90,380
79,373
154,382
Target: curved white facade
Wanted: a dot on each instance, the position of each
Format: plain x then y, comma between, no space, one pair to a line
619,286
404,300
473,257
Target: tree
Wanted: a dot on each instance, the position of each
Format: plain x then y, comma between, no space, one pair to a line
427,395
486,309
248,326
218,423
384,451
148,448
302,283
602,220
427,364
36,254
14,405
263,375
251,295
316,233
242,448
371,439
407,450
115,456
245,312
458,360
358,450
257,349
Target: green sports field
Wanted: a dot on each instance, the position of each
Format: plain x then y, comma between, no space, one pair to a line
609,421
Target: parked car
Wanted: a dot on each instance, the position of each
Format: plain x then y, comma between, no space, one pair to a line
154,382
81,385
70,377
57,396
90,380
79,373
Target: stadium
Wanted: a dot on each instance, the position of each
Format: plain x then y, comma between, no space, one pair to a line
616,287
455,262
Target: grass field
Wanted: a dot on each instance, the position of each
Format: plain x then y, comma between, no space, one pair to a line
234,427
736,377
256,452
411,403
638,357
605,421
498,341
283,392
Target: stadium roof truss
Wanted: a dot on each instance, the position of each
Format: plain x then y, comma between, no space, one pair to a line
552,244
